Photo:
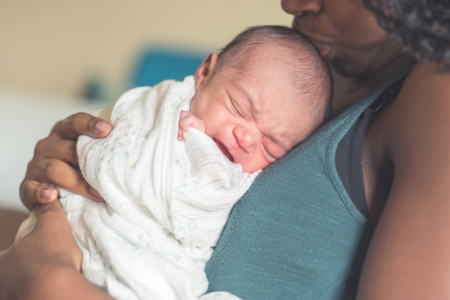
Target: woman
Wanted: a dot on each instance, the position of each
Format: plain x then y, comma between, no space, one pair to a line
304,228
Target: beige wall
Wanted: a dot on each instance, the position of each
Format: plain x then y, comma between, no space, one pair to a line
51,46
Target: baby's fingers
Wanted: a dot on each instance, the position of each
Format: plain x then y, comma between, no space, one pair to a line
191,121
198,124
180,135
188,120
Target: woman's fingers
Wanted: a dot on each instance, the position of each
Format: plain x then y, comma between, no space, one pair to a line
55,161
64,150
81,124
36,192
55,172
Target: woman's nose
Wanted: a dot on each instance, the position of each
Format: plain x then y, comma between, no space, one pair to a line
300,7
246,138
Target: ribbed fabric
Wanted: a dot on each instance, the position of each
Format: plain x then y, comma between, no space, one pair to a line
296,233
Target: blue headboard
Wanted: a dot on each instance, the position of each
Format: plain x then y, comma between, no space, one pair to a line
157,64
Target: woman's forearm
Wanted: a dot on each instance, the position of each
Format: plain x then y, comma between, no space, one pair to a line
56,282
45,264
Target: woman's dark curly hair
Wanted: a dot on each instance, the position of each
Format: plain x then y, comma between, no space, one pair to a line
423,26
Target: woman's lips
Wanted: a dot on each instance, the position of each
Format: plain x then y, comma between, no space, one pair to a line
311,34
224,150
324,50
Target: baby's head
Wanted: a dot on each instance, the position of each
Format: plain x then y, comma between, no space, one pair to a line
262,95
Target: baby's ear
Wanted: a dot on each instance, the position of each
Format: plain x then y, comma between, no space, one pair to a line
206,69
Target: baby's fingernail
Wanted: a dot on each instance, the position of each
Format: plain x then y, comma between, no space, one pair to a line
94,192
101,126
47,193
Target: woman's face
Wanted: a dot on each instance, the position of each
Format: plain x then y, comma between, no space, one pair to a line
346,33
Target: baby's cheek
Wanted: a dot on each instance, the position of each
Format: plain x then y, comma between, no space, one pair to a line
255,163
212,124
209,130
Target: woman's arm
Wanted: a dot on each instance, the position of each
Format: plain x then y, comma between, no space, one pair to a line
45,264
409,256
55,161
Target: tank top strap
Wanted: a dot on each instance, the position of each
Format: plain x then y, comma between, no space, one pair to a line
348,157
359,115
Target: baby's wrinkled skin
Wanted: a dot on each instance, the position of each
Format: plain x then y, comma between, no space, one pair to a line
252,114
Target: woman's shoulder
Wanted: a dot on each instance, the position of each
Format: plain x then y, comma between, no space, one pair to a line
415,219
429,78
427,85
411,137
421,111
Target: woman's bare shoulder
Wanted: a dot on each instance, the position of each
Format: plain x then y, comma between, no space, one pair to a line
419,118
408,256
428,85
428,78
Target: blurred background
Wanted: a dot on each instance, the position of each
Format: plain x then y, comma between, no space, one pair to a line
60,57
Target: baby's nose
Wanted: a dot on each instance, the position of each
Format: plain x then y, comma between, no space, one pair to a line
246,138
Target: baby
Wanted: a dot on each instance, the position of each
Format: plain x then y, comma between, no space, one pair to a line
265,93
182,153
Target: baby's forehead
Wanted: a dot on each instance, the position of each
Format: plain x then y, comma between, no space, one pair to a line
264,60
262,85
282,63
267,54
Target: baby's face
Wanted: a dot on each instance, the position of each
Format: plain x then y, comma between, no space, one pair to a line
251,115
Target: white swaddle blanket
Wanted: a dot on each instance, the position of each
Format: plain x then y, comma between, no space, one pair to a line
166,201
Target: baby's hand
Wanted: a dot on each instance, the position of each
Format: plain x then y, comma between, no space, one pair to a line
189,120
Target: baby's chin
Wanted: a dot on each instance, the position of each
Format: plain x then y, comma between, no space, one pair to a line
251,167
250,170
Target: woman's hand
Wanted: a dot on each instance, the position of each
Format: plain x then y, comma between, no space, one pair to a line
55,161
45,264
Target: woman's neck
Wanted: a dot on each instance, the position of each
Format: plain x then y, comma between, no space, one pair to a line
349,90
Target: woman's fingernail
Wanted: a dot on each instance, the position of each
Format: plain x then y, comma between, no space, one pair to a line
101,126
47,193
94,192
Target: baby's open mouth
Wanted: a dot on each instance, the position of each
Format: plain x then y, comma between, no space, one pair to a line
224,150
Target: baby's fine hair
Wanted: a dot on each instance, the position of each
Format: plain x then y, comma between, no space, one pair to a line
301,62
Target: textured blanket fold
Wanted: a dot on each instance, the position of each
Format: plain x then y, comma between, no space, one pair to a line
166,201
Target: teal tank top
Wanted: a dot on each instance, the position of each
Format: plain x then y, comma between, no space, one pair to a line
296,234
